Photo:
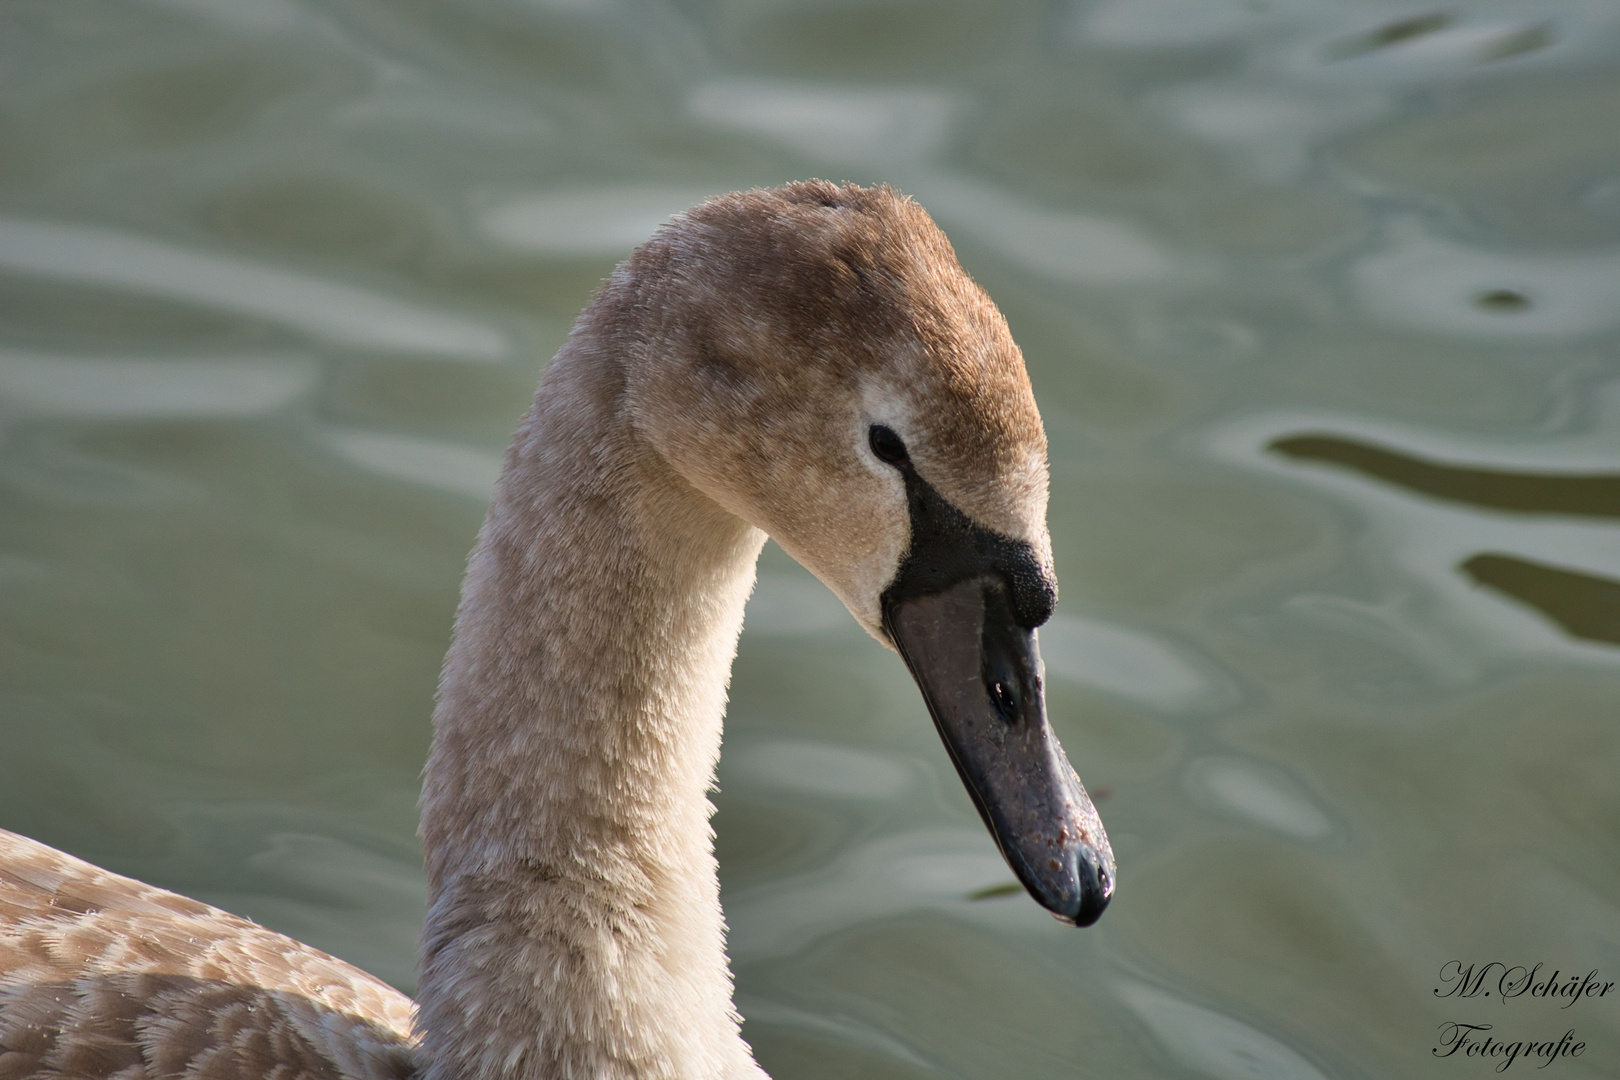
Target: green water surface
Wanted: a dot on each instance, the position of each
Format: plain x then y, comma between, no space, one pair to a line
1321,302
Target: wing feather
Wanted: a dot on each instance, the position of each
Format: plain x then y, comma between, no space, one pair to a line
105,978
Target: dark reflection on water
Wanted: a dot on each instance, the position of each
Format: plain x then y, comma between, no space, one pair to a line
1393,33
1585,605
1595,495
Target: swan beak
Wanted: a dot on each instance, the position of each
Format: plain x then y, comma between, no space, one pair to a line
980,672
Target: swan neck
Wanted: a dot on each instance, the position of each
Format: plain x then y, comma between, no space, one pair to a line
574,926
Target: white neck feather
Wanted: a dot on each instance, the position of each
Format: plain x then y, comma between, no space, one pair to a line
574,925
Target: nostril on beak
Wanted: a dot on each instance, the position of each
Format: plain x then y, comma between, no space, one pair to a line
1005,701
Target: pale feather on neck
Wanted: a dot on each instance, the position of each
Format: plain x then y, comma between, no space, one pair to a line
574,925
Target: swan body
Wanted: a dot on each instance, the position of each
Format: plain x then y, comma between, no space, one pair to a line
808,362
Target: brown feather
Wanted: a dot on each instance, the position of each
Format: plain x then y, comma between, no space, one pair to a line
105,978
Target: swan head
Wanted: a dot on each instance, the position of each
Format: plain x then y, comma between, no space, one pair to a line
814,359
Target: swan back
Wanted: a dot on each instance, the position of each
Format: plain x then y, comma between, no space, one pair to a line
102,976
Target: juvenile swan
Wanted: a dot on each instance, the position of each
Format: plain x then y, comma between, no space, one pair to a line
808,362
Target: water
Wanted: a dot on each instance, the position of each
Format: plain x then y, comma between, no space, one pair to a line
1322,307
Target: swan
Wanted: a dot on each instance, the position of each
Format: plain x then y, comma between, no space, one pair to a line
807,362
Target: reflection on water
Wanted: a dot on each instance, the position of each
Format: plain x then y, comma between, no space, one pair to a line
1264,795
1382,37
1585,605
1321,302
1432,283
152,388
459,470
1131,665
339,312
1596,495
837,123
1437,37
604,222
1211,1044
1427,609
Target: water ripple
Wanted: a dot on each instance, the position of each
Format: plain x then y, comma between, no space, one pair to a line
450,467
1211,1043
1263,794
1594,494
844,124
1423,281
109,387
585,222
1443,550
341,313
924,869
1070,247
1131,664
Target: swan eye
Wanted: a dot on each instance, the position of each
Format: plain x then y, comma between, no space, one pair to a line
887,445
